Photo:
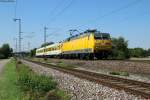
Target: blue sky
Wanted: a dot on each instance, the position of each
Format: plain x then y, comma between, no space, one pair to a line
126,18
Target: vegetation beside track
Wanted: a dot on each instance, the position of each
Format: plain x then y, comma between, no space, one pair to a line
38,87
62,64
22,84
8,88
58,63
119,73
5,51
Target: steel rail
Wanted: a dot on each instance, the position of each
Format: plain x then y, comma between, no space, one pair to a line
128,85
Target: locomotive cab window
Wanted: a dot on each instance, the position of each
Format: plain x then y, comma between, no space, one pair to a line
103,36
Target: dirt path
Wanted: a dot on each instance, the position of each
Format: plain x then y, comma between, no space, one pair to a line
2,64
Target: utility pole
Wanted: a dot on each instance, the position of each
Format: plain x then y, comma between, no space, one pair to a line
29,46
29,43
16,45
15,41
45,30
19,34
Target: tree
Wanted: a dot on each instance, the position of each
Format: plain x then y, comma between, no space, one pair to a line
5,51
46,44
33,52
148,52
120,48
139,52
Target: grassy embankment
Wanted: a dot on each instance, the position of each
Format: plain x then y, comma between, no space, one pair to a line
24,84
8,78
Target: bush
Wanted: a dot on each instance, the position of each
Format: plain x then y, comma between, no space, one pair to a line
5,51
57,95
119,73
29,81
120,49
38,87
139,52
2,56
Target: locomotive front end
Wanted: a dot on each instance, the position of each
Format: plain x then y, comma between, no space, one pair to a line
102,44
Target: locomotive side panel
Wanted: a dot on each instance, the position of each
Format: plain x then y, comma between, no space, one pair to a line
83,44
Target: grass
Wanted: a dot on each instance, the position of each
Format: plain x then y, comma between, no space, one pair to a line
36,86
23,84
59,63
119,73
8,88
29,80
57,95
64,65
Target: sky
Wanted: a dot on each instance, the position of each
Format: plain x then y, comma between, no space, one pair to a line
127,18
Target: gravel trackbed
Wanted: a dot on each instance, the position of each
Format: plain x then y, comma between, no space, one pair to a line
81,89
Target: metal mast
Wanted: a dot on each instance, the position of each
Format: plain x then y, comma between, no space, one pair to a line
19,35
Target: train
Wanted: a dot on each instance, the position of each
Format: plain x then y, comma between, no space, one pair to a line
90,44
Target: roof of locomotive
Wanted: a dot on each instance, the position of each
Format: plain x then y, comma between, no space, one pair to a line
87,32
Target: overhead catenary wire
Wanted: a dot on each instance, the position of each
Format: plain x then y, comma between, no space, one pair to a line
112,12
54,13
61,12
55,8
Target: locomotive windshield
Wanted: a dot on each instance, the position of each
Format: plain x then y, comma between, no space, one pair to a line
104,36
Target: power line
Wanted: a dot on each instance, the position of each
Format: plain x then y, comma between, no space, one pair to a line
114,11
137,15
62,11
59,13
19,36
56,7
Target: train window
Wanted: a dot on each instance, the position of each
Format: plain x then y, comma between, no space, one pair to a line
104,36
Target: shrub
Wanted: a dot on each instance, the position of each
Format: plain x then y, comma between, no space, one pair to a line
120,49
38,87
30,81
119,73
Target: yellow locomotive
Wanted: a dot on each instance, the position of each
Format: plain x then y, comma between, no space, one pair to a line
86,45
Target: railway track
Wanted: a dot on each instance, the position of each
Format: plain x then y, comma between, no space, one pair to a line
128,85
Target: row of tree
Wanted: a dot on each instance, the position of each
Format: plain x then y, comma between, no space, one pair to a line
120,50
139,52
5,51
